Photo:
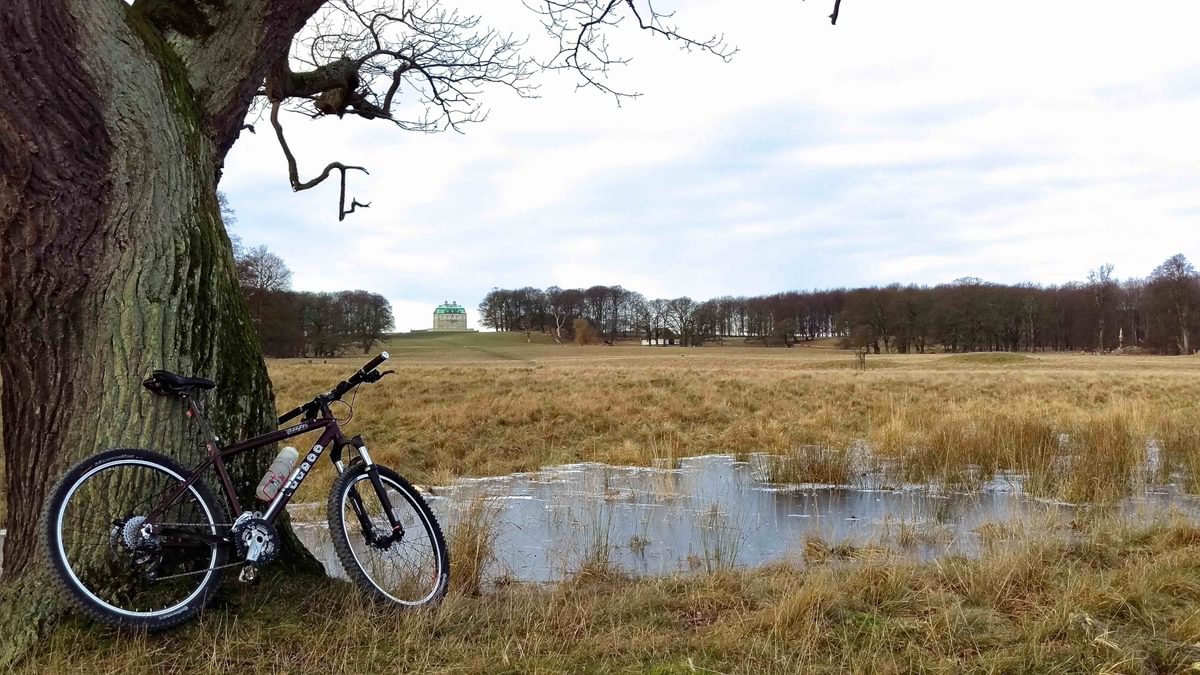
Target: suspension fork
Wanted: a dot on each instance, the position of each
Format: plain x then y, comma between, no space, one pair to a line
356,503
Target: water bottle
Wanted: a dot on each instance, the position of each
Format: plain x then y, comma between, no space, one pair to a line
269,486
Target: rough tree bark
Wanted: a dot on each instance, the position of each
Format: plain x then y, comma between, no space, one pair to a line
113,128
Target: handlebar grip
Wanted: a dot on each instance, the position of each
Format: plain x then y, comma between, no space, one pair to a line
374,363
291,414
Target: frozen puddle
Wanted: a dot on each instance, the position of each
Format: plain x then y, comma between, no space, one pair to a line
714,512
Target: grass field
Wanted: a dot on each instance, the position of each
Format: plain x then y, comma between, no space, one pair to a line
1117,600
482,404
1109,596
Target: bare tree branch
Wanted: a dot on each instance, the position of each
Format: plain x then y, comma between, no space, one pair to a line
422,66
361,57
294,172
360,54
579,28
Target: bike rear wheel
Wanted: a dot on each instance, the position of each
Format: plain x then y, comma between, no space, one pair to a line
110,564
410,568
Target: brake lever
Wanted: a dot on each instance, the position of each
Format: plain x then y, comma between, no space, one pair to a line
375,376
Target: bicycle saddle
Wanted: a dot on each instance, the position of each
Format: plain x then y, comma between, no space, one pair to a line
165,383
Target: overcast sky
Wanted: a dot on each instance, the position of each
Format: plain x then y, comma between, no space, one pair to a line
915,142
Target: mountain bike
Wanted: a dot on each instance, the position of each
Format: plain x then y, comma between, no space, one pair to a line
137,540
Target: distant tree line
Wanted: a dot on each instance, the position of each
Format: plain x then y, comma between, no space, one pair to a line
297,323
1159,314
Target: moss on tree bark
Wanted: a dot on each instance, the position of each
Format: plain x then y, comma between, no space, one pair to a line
115,263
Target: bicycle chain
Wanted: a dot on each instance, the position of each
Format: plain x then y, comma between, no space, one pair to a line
197,524
207,569
203,571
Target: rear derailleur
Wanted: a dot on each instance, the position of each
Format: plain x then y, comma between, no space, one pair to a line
135,537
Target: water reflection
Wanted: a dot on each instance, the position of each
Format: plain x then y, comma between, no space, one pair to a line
714,512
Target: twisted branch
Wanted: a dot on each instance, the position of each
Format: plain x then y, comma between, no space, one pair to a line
294,172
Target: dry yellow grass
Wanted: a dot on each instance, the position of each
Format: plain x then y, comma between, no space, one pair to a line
1117,599
1179,445
465,409
485,404
473,536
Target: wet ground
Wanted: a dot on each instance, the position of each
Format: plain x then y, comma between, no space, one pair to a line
713,512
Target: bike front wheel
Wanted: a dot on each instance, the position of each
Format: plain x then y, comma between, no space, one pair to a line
408,565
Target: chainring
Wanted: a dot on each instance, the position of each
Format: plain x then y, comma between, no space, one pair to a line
257,540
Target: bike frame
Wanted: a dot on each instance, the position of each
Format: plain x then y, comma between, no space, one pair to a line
331,436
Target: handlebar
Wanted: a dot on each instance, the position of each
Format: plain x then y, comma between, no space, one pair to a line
365,374
374,363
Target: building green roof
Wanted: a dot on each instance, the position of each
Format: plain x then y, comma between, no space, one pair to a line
450,307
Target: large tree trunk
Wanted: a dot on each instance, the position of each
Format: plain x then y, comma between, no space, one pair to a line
114,261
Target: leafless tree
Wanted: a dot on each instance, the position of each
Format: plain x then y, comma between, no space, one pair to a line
564,305
658,315
1177,292
228,215
681,318
229,219
1103,289
259,269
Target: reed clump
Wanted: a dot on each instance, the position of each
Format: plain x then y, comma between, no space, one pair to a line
594,562
909,534
818,550
963,446
474,531
1178,439
819,464
720,539
665,451
1096,463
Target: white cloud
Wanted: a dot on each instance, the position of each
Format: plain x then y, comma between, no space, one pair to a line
881,153
915,142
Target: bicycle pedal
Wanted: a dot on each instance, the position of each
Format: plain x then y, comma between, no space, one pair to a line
248,575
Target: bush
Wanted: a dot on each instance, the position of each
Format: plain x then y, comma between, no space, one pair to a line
585,332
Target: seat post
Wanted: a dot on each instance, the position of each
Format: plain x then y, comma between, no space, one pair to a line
195,410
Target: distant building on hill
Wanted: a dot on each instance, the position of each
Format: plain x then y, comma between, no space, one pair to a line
450,316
